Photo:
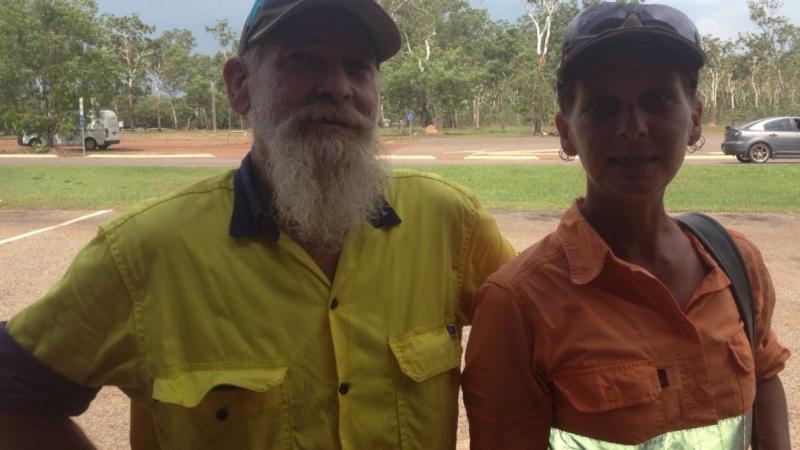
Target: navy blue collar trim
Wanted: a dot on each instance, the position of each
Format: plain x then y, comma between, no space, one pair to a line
251,215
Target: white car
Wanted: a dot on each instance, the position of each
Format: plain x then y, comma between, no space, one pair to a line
101,131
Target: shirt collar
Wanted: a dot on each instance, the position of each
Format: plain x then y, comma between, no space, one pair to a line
251,214
587,252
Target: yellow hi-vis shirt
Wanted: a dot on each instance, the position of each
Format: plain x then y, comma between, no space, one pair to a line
243,343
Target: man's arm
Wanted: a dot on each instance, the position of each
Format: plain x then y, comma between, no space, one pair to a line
36,402
27,432
771,415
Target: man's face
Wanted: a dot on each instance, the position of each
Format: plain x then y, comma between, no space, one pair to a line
321,56
313,94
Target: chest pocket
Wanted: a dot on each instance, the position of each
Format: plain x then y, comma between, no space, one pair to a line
609,401
427,385
608,388
236,407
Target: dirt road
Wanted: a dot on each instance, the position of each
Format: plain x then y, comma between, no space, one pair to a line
30,265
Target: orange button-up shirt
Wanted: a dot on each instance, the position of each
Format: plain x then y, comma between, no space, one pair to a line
569,336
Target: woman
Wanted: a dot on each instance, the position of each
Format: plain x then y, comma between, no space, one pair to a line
618,330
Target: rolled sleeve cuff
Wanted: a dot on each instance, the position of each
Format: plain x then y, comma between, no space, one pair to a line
770,359
28,386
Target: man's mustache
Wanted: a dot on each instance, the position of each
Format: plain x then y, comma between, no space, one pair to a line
338,113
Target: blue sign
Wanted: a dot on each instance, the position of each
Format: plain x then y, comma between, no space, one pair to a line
410,117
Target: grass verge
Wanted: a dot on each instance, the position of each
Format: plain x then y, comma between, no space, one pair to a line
740,188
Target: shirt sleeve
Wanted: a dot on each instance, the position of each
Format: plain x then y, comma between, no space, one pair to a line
488,251
83,328
28,386
770,356
508,404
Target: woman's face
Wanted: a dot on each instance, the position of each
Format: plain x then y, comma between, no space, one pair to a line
630,122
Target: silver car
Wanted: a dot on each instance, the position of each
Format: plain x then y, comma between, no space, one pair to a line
758,141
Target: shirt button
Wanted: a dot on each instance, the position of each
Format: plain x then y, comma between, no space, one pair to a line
344,388
611,395
334,304
699,395
222,414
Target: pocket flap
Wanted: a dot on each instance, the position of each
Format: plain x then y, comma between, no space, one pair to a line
188,386
607,388
741,351
426,352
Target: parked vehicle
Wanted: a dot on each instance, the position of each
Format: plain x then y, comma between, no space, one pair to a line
760,140
102,130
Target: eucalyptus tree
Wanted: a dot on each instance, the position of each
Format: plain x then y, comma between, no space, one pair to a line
176,47
776,32
411,77
48,59
130,41
228,41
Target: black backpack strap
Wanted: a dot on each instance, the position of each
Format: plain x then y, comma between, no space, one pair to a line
720,245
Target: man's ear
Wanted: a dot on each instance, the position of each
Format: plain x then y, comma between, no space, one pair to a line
697,122
235,75
562,125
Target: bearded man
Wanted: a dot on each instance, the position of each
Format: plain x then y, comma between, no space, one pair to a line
311,299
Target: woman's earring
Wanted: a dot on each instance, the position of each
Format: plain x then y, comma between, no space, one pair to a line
565,156
697,145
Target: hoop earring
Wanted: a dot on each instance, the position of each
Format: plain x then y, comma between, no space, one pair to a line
565,156
697,145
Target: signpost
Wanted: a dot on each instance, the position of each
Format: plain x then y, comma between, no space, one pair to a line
409,121
81,120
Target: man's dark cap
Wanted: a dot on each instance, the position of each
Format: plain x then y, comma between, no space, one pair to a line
266,15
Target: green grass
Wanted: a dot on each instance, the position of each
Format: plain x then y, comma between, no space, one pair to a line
740,188
78,187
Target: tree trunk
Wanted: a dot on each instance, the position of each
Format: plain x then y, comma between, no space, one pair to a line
174,113
158,104
476,115
213,107
131,122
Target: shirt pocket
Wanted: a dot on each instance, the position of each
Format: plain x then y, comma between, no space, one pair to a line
427,385
602,389
741,357
223,406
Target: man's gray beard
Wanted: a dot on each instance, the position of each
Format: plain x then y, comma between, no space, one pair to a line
322,183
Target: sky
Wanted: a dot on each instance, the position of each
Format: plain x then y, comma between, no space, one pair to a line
722,18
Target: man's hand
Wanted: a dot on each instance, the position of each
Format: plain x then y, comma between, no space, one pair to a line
25,432
772,418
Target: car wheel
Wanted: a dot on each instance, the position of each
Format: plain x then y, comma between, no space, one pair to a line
91,144
743,158
759,152
34,142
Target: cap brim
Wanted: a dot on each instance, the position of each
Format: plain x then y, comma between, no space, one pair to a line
678,48
377,22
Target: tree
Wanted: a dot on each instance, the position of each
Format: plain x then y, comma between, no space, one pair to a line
541,14
129,40
228,42
777,40
48,52
176,49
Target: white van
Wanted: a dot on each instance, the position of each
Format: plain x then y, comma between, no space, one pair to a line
102,130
